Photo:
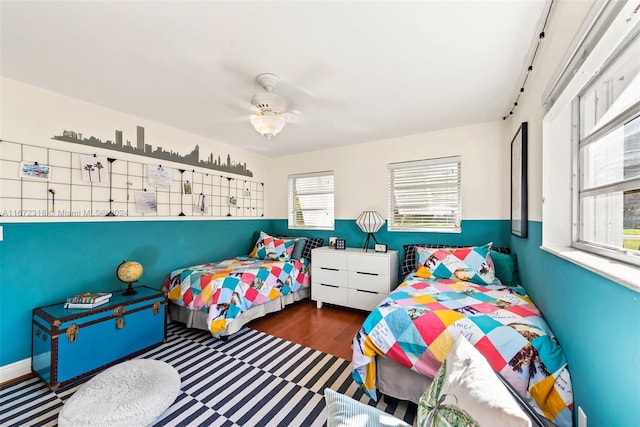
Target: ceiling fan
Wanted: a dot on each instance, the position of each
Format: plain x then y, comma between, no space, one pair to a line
270,108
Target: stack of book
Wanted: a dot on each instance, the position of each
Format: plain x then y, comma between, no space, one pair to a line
88,300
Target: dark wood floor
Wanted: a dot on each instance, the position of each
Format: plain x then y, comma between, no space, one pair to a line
329,329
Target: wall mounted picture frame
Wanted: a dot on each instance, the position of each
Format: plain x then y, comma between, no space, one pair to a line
35,171
519,189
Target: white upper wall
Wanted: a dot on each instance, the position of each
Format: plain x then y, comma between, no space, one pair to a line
566,18
361,170
30,115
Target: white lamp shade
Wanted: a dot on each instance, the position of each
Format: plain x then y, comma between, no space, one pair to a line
268,124
370,221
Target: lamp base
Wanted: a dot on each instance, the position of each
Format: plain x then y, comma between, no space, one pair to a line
368,240
130,290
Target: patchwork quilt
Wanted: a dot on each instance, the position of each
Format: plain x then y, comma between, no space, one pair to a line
227,288
417,324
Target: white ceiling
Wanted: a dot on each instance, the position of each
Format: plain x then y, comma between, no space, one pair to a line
356,71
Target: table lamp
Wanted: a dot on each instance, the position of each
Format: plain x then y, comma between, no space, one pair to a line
369,222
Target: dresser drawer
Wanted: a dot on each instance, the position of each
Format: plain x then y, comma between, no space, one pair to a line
364,300
329,258
328,293
369,282
328,275
352,277
369,263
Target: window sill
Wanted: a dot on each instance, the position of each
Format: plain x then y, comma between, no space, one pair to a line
622,273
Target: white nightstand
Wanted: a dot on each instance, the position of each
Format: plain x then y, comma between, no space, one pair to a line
352,277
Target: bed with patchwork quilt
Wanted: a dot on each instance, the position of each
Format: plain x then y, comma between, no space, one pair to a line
224,295
453,292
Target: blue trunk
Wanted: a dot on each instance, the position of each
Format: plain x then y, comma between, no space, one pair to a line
69,344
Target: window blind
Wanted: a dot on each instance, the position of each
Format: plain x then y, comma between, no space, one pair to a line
311,201
424,195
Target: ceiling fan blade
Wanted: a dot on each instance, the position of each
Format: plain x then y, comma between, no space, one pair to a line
301,99
241,106
293,117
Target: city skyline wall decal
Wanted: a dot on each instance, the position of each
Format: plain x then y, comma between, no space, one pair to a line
147,150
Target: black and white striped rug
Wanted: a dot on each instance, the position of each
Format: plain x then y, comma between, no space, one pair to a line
254,379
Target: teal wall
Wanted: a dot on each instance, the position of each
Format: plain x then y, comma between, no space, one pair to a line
597,323
43,263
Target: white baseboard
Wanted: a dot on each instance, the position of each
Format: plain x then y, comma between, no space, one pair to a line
15,370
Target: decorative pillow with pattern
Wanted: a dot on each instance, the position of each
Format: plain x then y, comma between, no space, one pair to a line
269,247
283,249
263,245
344,411
410,258
470,264
311,243
466,392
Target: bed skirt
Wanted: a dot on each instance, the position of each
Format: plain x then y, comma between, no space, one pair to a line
198,319
395,380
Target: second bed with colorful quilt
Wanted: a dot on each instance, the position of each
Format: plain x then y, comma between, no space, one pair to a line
222,296
454,292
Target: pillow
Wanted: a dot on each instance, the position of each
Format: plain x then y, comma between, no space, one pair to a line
506,268
299,247
424,272
259,250
283,249
343,411
410,262
466,391
312,243
470,264
271,248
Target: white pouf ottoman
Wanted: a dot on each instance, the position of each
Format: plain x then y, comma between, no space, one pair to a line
132,393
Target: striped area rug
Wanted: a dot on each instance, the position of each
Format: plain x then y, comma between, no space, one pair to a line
253,379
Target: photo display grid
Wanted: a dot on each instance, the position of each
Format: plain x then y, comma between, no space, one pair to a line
46,182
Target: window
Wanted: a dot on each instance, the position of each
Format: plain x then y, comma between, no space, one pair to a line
587,157
311,201
608,159
424,195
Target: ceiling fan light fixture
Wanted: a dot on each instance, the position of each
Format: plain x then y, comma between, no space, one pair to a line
267,124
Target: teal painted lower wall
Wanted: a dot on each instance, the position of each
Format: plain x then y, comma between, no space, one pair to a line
597,323
43,263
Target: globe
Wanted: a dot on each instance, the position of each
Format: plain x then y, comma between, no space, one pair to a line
129,272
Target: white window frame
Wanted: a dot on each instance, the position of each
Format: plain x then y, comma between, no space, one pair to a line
322,187
430,185
578,240
614,122
607,28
